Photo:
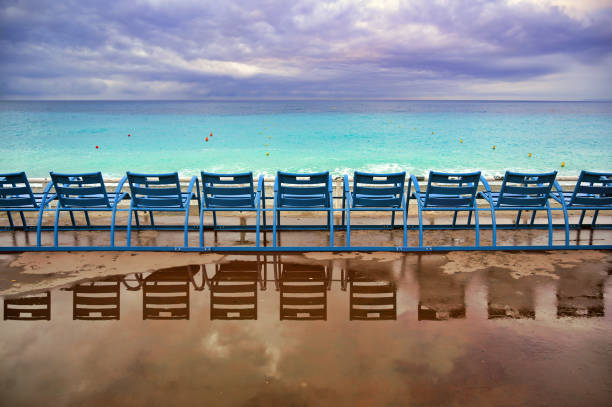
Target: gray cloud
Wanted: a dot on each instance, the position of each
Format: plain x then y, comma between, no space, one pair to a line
302,49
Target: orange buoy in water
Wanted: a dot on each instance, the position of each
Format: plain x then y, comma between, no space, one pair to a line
562,163
206,138
461,140
129,135
97,147
211,134
493,147
529,154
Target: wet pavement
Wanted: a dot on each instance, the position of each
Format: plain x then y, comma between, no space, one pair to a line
317,238
503,329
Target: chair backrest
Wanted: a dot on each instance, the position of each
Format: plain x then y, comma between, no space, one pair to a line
233,290
29,307
451,190
520,189
155,190
303,291
303,190
97,300
371,297
15,191
593,189
80,190
228,190
378,190
165,294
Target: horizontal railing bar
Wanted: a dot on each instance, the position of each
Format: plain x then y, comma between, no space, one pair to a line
299,249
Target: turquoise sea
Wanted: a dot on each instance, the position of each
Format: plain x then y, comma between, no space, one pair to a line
339,136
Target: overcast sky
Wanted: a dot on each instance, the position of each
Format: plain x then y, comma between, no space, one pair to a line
303,49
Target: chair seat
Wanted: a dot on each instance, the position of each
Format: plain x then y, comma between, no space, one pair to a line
111,201
231,201
375,201
441,196
302,201
184,198
495,199
567,197
37,197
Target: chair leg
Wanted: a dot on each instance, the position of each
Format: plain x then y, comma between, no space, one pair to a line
454,218
550,229
348,227
343,208
257,216
39,225
202,227
405,227
55,226
565,218
581,218
469,222
420,227
186,225
518,217
151,218
533,215
113,217
87,219
129,226
72,218
275,217
392,219
477,223
493,227
214,220
595,218
331,227
10,219
23,219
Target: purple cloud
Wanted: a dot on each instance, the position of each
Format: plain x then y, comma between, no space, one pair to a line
304,49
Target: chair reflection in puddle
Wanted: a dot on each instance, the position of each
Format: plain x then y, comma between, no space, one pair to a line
581,295
34,307
165,293
372,294
233,289
441,296
97,300
509,297
303,290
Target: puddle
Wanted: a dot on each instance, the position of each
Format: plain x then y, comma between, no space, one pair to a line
307,330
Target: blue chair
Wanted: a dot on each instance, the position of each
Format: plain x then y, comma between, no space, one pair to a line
160,192
593,191
374,192
521,192
303,192
16,196
231,192
85,192
447,192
